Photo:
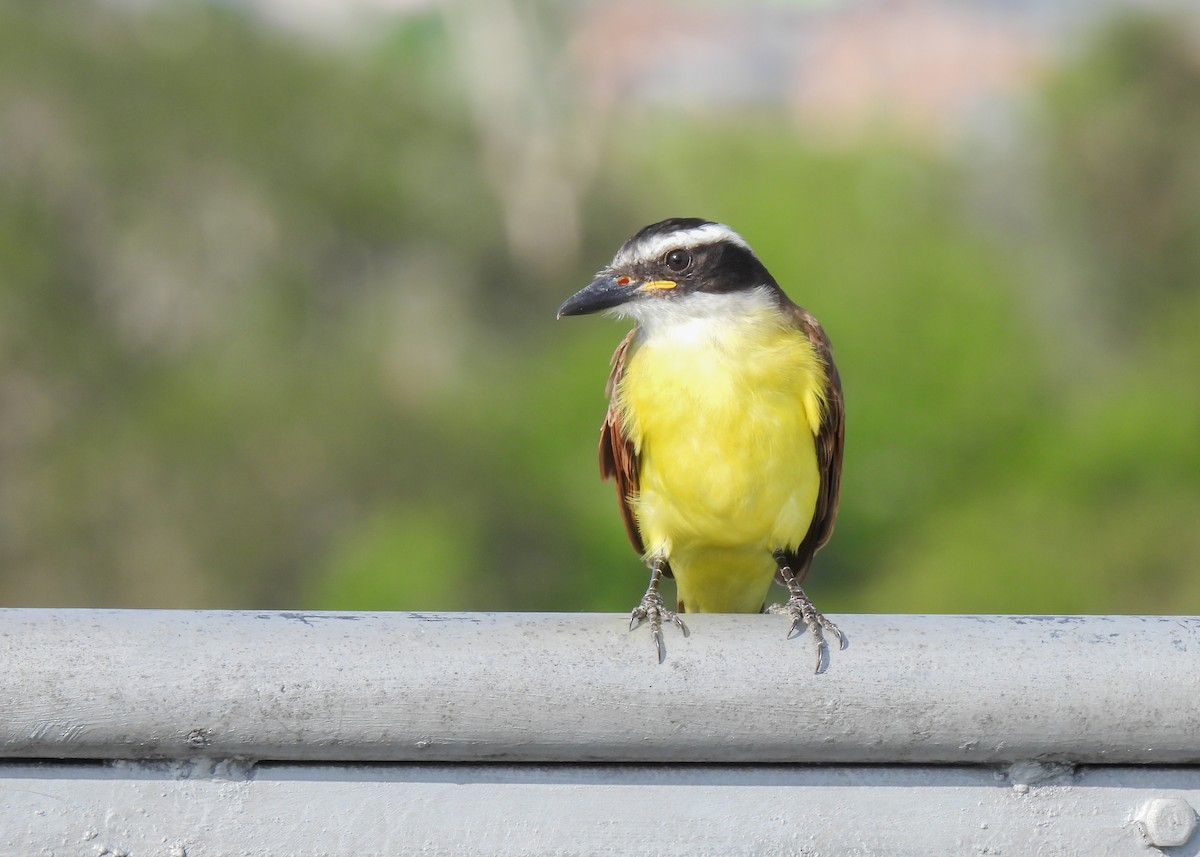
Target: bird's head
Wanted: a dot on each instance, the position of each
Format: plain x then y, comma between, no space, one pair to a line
667,268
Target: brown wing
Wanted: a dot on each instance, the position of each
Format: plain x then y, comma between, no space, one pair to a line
829,441
618,460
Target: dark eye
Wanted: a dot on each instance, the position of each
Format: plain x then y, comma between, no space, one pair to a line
678,260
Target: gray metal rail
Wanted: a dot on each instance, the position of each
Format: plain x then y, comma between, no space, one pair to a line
197,733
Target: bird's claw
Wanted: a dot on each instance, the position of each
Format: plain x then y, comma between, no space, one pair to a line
804,615
654,610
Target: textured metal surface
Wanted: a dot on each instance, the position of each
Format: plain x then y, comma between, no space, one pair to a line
197,809
576,688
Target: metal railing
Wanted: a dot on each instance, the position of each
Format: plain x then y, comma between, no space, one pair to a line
196,733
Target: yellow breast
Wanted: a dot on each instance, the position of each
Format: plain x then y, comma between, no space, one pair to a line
723,416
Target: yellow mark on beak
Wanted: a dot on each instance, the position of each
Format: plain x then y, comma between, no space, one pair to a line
659,285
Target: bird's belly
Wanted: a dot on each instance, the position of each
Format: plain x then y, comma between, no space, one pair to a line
726,449
719,493
729,480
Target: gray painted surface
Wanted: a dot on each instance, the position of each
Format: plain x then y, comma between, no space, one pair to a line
532,687
192,809
129,684
164,725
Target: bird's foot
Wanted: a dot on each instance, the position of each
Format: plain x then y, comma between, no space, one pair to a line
654,610
800,607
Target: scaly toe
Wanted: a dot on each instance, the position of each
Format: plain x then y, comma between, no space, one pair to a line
653,610
843,640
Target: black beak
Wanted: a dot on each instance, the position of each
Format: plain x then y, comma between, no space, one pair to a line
604,292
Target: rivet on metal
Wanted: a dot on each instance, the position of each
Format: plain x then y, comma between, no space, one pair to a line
1167,821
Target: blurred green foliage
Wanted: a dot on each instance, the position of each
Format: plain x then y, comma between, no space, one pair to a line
1125,128
263,343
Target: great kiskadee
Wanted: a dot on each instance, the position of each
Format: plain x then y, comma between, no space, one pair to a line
724,427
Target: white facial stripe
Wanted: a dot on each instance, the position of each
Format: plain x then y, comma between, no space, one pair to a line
653,248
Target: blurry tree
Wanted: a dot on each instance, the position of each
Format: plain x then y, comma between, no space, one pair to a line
1124,131
268,336
1091,504
204,357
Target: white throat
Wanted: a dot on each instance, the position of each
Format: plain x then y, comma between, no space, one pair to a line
698,316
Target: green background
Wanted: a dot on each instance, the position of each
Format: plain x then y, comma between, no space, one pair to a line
266,342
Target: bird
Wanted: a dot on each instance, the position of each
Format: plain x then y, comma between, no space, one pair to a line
725,426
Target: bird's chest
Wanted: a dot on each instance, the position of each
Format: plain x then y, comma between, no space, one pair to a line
723,424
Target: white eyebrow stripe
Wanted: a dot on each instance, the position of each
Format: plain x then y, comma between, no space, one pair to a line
652,248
